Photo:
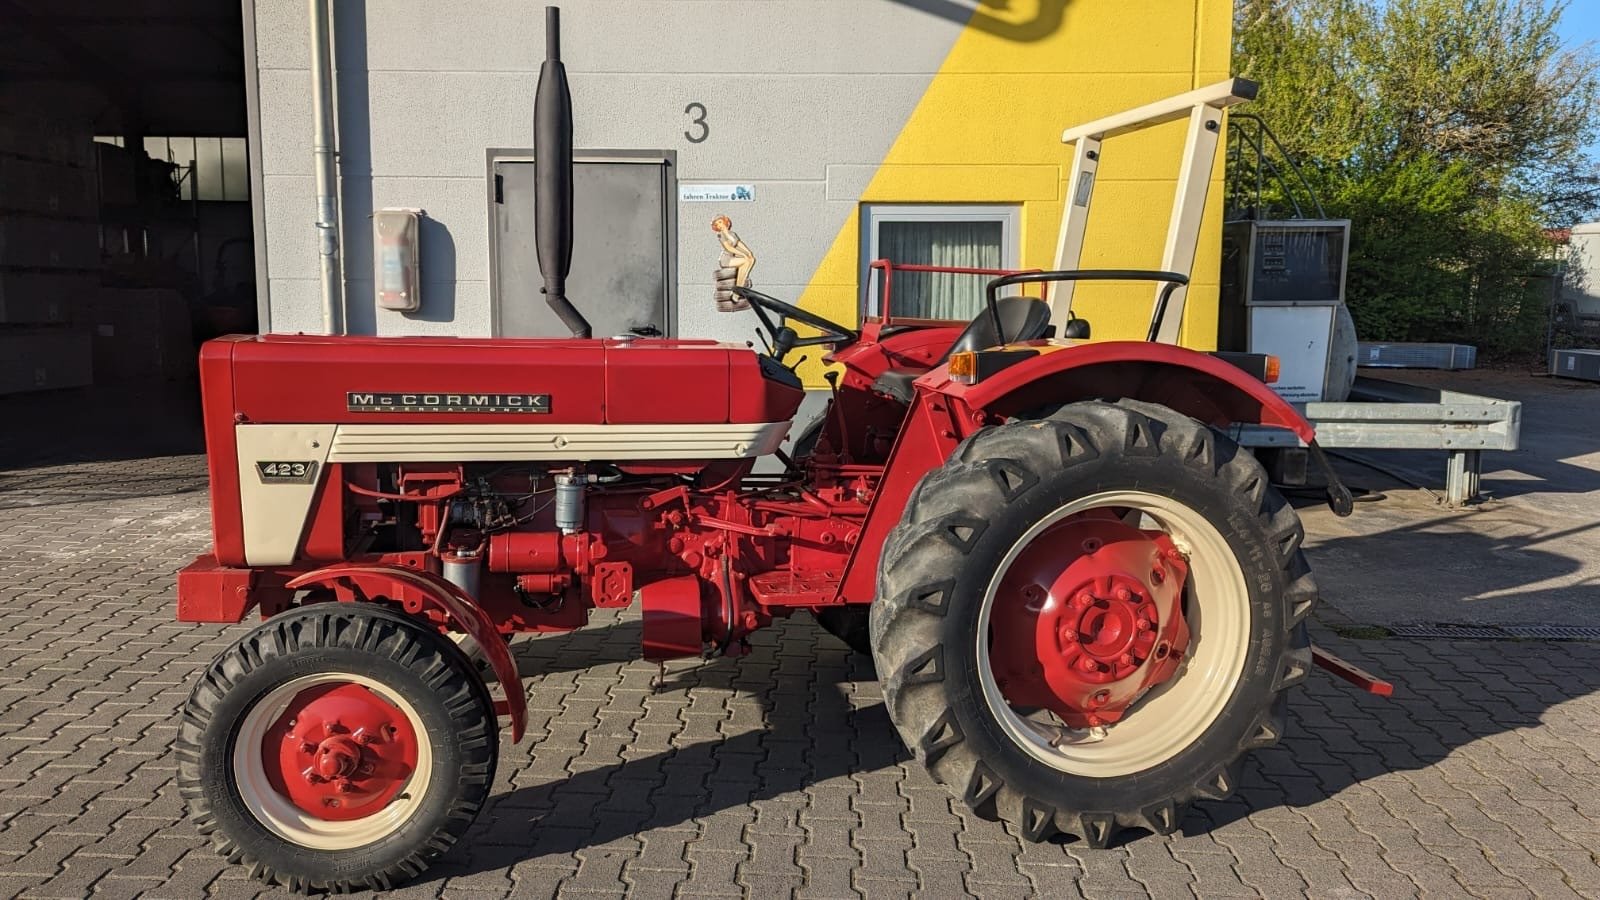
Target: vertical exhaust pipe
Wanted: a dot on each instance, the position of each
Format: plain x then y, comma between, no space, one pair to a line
552,177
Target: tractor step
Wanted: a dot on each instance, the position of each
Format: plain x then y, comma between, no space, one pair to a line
806,588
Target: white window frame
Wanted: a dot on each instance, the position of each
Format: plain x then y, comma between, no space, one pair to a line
874,214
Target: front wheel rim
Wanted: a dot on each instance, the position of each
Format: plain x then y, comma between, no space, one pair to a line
382,758
1176,713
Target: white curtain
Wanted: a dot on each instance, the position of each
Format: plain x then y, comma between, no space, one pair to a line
939,295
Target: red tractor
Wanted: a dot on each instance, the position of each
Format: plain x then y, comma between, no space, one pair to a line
1084,600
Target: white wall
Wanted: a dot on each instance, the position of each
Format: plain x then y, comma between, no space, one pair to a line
803,99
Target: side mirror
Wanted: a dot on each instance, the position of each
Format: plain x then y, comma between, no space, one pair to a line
1076,329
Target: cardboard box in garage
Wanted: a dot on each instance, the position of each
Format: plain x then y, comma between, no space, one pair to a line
47,138
42,358
38,243
39,298
30,187
137,333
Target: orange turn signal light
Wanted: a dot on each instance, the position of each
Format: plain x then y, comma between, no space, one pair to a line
1273,369
963,367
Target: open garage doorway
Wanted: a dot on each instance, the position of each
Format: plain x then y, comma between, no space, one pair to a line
126,226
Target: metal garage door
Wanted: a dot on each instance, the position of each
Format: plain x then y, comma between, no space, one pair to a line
622,275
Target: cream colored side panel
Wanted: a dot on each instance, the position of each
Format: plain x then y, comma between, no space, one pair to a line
275,511
553,442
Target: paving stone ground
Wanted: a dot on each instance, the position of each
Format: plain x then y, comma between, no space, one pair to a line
774,775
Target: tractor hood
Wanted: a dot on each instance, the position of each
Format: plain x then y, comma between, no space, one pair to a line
420,380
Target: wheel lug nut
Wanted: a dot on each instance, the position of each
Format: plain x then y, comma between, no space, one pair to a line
1088,665
1126,659
331,802
1124,594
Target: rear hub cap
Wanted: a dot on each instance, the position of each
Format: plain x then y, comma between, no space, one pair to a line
338,751
1088,618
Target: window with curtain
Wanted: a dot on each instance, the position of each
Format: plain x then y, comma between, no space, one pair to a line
968,237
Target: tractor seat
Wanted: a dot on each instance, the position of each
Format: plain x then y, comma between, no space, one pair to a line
1021,319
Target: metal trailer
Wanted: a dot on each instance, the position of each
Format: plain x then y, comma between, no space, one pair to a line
1388,415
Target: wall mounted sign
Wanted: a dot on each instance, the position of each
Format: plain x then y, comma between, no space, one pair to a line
717,193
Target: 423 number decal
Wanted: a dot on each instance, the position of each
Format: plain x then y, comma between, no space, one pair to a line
286,472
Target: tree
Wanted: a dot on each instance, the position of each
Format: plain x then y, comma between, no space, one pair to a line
1451,133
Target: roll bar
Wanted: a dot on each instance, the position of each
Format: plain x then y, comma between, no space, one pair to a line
1203,108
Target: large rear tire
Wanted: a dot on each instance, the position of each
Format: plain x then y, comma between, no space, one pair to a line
1116,700
337,747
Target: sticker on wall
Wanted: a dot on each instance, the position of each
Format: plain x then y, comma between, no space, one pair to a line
716,193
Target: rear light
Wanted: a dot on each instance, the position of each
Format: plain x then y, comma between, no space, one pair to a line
1272,370
963,367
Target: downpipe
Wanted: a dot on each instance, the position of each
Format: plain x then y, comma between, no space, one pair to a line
324,157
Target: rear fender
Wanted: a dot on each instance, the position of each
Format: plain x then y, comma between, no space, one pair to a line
1196,384
424,592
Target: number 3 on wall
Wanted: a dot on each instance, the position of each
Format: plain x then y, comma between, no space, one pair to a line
697,117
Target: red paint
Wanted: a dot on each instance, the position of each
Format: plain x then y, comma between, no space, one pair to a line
1351,672
216,403
934,426
209,592
1088,618
324,538
423,592
340,752
672,617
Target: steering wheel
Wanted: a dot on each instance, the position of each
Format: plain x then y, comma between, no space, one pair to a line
784,338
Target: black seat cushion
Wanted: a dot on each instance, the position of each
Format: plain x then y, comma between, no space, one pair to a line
1021,319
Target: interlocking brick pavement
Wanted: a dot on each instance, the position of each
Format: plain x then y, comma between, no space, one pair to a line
776,775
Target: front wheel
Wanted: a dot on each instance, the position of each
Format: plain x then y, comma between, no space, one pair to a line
1084,621
337,747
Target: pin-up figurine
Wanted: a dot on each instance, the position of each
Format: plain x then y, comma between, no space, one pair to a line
733,266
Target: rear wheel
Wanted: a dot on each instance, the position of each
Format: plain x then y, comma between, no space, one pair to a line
337,747
1085,621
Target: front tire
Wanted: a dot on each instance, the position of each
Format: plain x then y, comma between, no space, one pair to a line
1036,649
337,747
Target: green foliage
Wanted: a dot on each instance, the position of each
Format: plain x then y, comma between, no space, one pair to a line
1450,132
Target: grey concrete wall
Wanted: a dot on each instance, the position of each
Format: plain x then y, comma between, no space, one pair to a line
803,98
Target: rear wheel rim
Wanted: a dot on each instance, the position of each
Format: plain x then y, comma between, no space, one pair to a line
390,777
1176,713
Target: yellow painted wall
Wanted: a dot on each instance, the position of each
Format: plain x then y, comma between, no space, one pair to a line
988,131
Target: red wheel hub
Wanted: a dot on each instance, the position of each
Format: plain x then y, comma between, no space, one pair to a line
339,751
1088,618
